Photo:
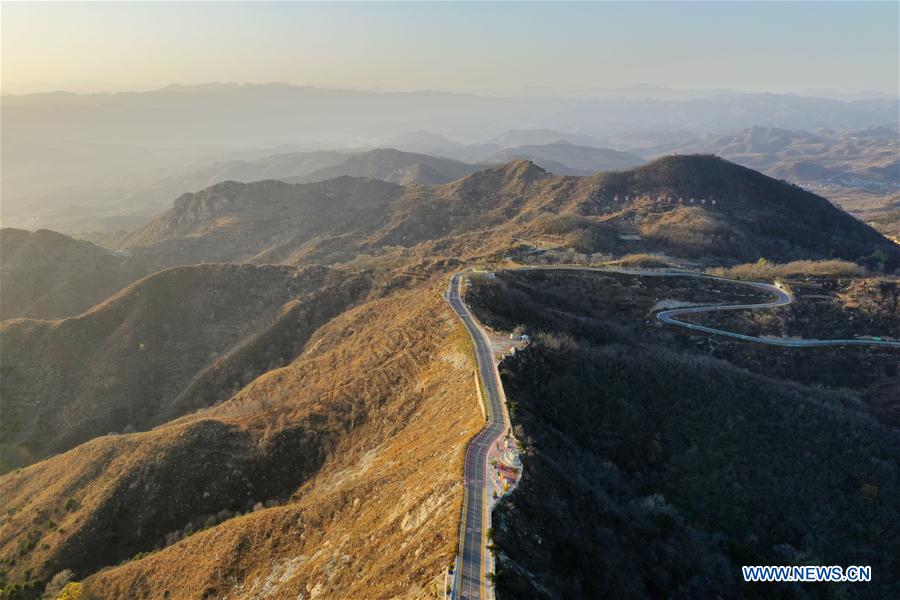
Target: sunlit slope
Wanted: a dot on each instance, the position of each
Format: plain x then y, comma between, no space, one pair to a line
47,275
615,213
348,460
181,339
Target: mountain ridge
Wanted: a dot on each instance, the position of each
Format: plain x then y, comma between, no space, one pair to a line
45,274
300,456
107,370
273,411
753,216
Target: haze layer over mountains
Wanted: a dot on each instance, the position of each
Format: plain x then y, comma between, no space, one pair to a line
83,164
229,370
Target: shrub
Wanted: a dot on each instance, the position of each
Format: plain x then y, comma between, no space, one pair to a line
72,591
765,270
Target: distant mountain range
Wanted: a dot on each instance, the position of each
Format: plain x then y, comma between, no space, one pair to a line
859,169
565,158
392,165
851,158
537,137
127,202
170,126
107,162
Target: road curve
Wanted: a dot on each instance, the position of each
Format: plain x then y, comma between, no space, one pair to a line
469,580
781,298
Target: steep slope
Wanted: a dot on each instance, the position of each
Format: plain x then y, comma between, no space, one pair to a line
754,216
342,219
487,201
658,462
171,343
236,222
330,221
394,166
350,454
44,274
346,464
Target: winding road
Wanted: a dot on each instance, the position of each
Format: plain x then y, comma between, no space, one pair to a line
469,577
781,298
469,581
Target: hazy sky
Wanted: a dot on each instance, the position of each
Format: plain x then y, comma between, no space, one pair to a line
492,48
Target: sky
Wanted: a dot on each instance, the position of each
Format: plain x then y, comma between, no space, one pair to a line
490,48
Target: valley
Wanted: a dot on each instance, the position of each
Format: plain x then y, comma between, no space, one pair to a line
621,420
657,205
286,394
449,300
298,462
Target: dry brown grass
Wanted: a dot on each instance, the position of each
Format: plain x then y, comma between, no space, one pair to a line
765,270
47,275
389,388
373,224
641,260
345,464
181,339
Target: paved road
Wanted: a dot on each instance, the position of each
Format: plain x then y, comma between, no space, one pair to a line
781,298
469,580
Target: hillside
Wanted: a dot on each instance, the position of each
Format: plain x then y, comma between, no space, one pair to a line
166,345
349,455
754,215
274,166
277,424
762,140
858,170
233,222
339,220
44,274
659,461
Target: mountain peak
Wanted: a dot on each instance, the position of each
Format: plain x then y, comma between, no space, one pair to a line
523,169
685,163
515,176
519,172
